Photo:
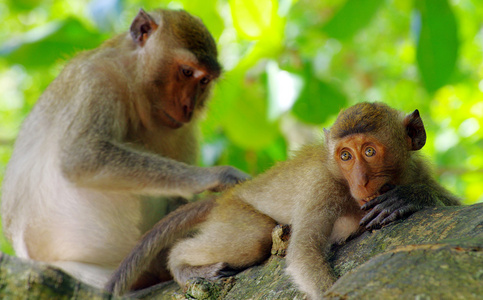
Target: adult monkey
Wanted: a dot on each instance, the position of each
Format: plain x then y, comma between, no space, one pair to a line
368,161
114,132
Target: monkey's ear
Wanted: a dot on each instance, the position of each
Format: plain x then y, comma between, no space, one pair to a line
142,27
326,133
415,130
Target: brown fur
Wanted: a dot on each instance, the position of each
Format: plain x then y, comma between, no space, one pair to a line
110,147
313,194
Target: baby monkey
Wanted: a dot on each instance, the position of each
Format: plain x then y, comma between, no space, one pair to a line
368,162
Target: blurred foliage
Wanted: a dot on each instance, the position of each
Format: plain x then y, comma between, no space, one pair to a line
290,66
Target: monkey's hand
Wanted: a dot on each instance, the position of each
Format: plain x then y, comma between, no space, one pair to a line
398,203
227,177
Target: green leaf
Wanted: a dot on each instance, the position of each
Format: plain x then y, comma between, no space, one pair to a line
23,5
242,109
207,11
252,18
44,46
254,162
353,16
437,43
318,100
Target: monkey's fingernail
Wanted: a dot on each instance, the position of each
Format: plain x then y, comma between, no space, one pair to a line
371,225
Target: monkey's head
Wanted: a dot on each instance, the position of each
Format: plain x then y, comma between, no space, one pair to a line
370,145
178,61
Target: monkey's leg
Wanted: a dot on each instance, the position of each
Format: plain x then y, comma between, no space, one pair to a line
234,237
91,274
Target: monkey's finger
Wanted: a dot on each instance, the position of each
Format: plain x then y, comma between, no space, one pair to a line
369,217
382,203
376,223
396,215
374,202
236,177
226,185
370,204
228,177
399,214
365,220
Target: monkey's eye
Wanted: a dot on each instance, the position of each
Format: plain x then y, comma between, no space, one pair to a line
205,80
370,151
345,156
187,72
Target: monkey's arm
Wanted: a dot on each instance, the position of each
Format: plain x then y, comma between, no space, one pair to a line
404,200
94,154
112,165
312,227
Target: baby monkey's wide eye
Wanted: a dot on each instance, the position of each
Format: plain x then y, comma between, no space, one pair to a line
370,151
345,156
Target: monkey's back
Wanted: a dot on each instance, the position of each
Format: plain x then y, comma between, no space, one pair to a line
44,214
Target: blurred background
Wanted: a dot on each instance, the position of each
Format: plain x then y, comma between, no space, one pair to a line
289,67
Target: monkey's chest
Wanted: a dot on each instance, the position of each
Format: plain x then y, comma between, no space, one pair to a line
183,148
344,227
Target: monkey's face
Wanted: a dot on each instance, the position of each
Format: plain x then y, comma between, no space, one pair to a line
367,166
180,92
178,61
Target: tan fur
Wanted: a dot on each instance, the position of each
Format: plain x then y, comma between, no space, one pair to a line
98,161
310,192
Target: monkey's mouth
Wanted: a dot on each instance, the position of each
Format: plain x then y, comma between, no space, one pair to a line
169,121
384,189
367,199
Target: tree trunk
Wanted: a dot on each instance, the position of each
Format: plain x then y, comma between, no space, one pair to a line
434,254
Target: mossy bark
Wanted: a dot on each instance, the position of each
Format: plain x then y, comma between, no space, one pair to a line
436,253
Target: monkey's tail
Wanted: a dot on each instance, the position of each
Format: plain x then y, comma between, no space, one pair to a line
163,234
